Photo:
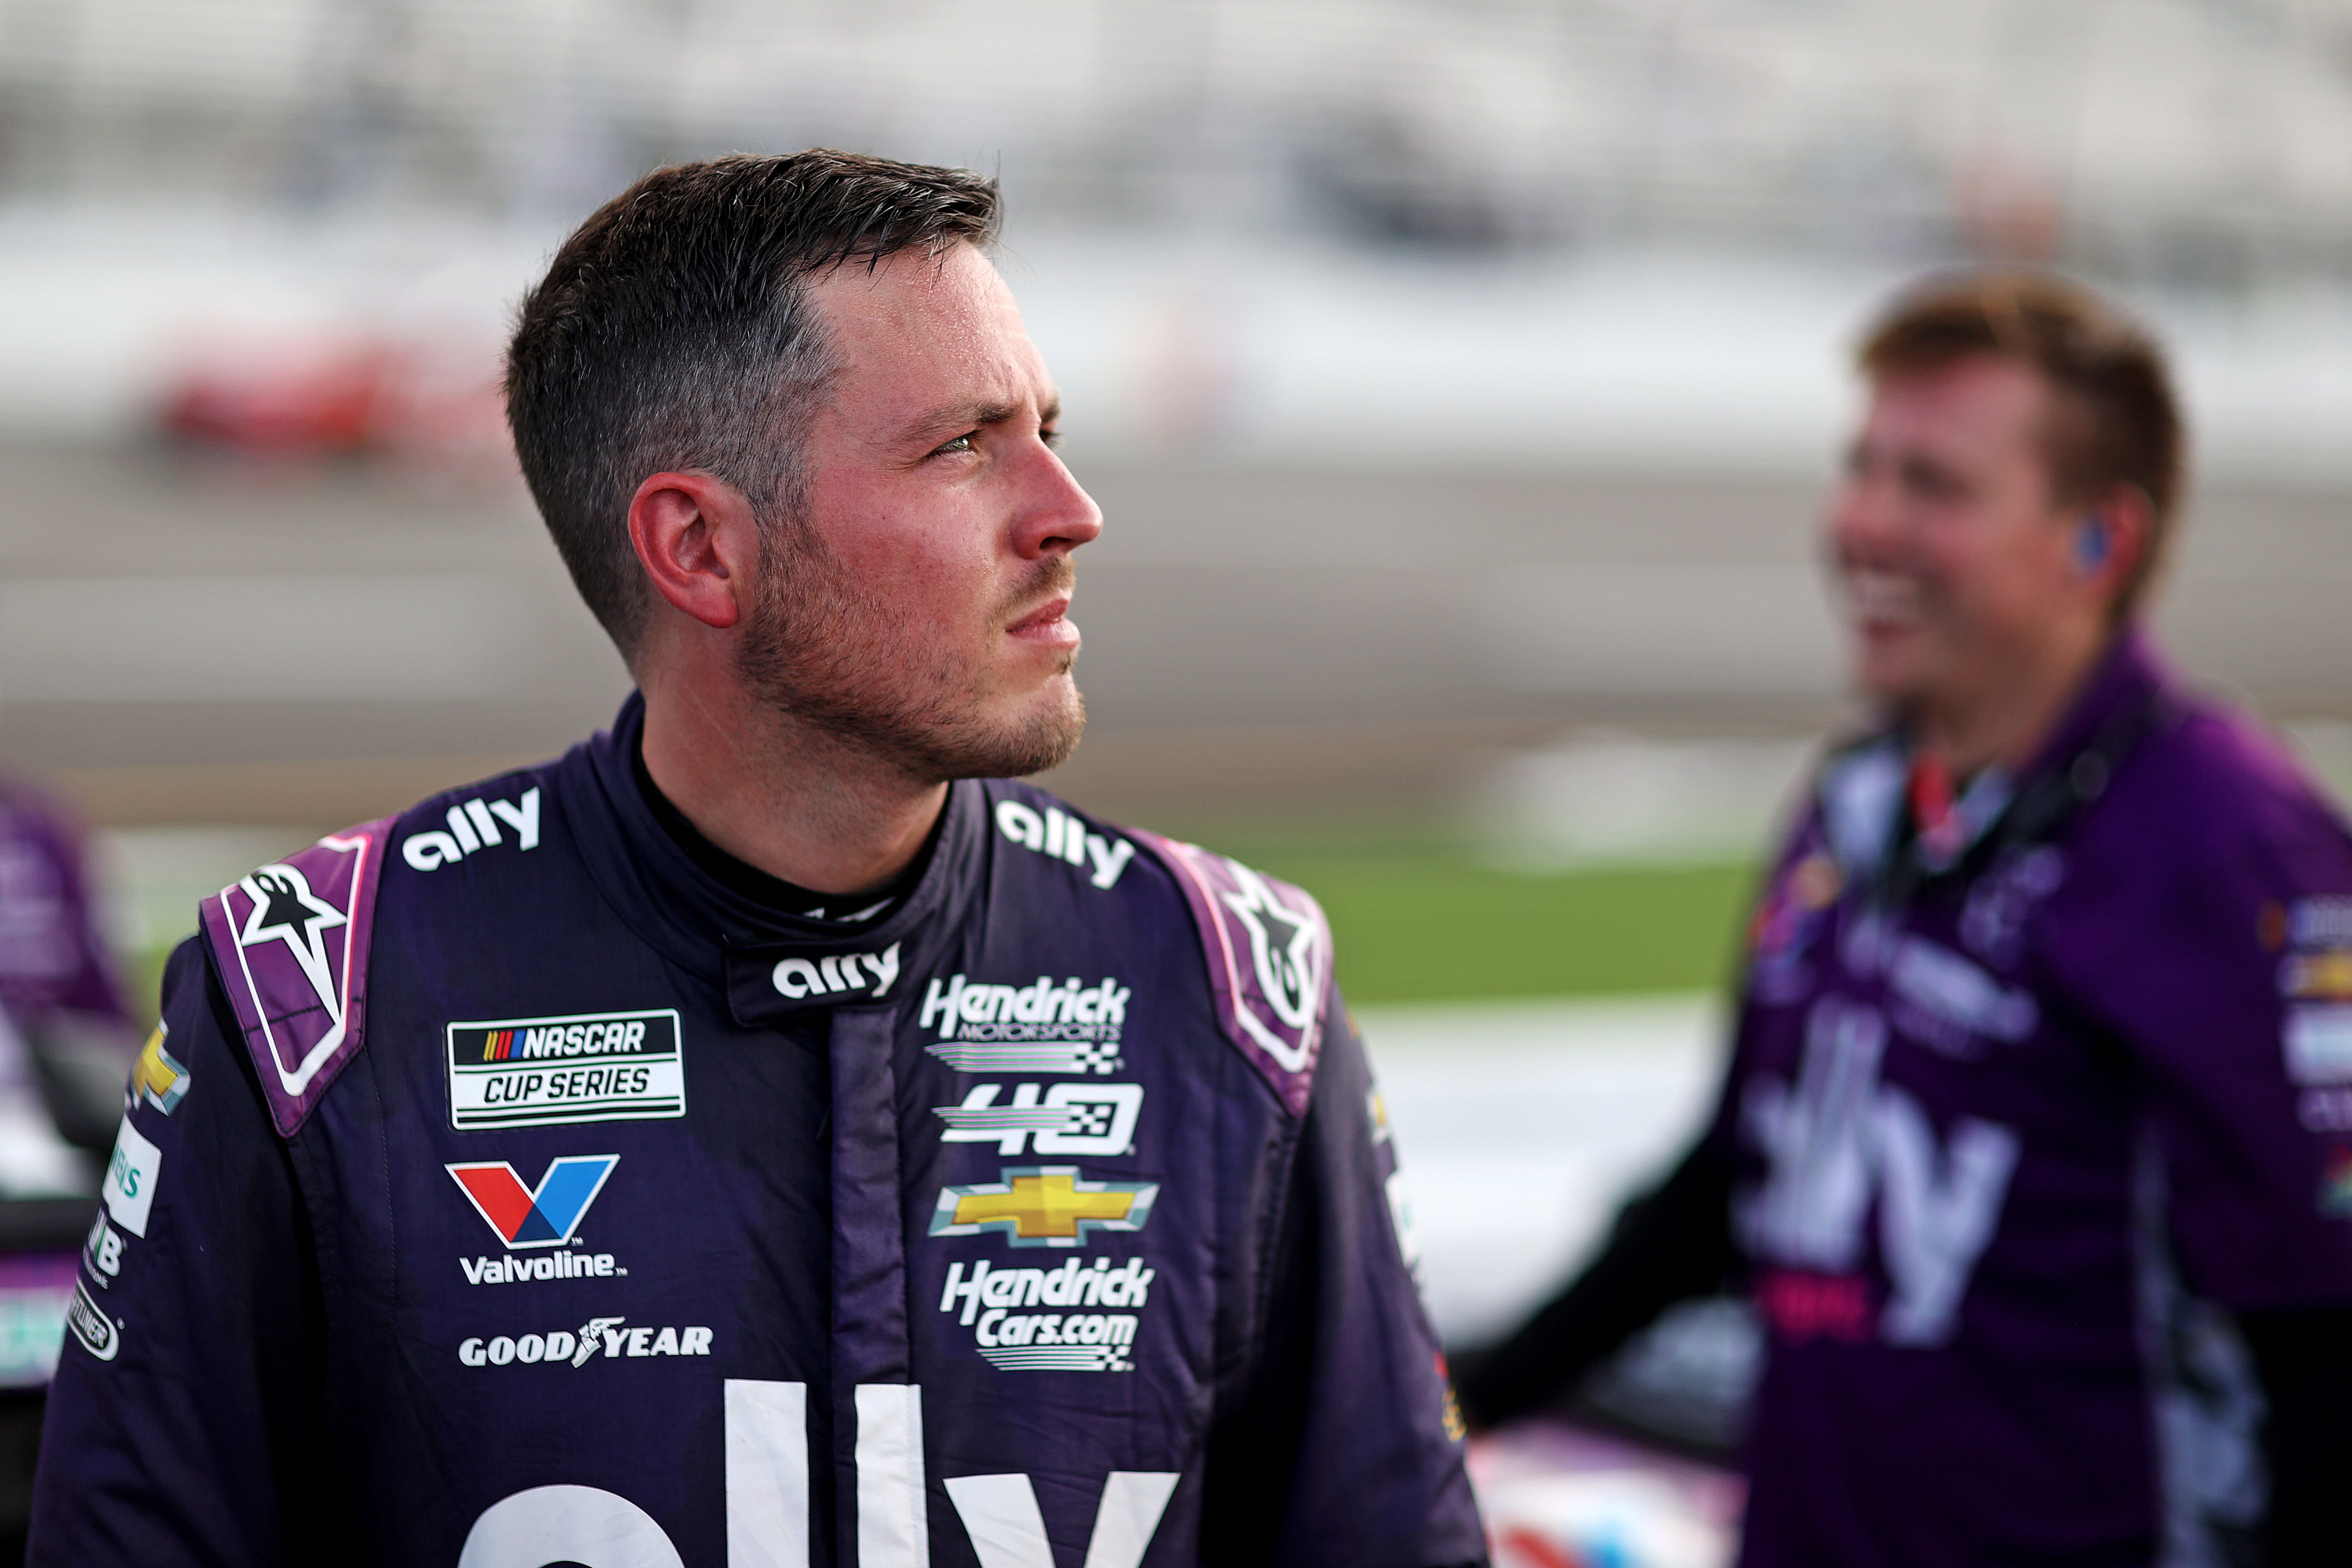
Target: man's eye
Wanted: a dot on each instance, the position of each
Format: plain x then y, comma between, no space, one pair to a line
960,444
1051,437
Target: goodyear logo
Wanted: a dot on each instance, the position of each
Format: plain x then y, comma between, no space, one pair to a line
584,1066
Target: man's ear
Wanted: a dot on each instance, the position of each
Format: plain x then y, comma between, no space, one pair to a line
2125,520
699,540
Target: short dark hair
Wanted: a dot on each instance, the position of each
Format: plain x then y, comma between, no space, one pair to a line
2117,422
672,331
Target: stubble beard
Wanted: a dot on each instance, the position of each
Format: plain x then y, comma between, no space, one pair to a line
824,652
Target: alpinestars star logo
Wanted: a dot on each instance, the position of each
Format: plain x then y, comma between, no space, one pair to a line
286,909
541,1216
1282,947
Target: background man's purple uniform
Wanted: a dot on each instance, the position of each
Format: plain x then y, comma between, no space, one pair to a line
1042,1219
1996,1139
51,958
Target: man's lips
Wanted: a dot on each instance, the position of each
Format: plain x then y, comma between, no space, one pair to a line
1048,625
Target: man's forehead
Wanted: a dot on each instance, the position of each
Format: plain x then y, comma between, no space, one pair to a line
948,294
919,322
1982,399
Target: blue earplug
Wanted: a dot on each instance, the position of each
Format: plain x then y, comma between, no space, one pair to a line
2091,544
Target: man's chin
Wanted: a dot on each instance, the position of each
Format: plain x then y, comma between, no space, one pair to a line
1037,739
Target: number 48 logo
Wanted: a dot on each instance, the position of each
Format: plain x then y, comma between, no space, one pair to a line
767,1501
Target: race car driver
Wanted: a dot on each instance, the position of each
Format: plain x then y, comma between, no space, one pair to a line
763,1136
2035,1152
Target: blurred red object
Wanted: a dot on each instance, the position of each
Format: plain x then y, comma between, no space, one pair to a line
316,399
430,404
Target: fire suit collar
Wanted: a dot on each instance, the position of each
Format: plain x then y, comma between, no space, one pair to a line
709,929
1862,795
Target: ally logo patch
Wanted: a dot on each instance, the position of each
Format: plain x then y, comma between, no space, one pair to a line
543,1216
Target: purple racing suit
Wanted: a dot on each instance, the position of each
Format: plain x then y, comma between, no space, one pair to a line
533,1198
2021,1122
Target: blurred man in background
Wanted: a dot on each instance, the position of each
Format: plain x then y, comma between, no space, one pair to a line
967,1179
66,1036
2035,1148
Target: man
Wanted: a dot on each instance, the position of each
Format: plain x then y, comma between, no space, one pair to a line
2043,1081
751,1139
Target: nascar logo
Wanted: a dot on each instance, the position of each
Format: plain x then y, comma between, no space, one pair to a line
545,1216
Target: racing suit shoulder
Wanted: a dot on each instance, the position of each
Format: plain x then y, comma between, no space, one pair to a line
1266,944
291,940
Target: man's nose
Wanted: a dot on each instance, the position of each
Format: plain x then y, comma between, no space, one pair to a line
1056,513
1860,522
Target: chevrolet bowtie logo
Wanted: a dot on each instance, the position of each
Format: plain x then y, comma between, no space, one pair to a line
1044,1205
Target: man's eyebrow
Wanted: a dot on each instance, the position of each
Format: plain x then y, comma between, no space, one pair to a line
959,416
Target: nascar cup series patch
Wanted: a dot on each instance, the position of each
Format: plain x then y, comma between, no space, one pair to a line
586,1066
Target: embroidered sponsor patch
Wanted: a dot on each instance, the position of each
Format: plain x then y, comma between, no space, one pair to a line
541,1216
1044,1205
1269,954
1074,1335
597,1336
1065,1117
586,1066
156,1077
97,1332
130,1173
292,943
2318,1041
2335,1186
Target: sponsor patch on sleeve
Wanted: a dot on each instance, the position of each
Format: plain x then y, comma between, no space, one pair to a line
588,1067
130,1173
2318,1040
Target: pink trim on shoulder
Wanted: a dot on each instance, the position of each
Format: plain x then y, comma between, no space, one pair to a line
1269,952
292,945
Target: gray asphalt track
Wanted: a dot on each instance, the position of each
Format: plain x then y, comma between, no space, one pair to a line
192,642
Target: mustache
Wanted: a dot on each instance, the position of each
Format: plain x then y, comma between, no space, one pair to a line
1044,579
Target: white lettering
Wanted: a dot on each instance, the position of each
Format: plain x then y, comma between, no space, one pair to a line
430,850
1935,1214
1020,823
1000,1514
1809,1210
470,1352
797,977
523,818
468,840
476,814
1109,859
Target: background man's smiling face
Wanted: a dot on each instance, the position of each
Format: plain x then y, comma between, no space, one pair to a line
919,604
1952,552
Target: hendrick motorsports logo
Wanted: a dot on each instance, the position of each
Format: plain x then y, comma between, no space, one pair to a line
1047,1026
588,1067
1063,1341
597,1336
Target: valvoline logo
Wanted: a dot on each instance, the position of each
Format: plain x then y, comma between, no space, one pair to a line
545,1217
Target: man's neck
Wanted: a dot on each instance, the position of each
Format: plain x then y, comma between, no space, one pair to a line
2010,720
797,804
